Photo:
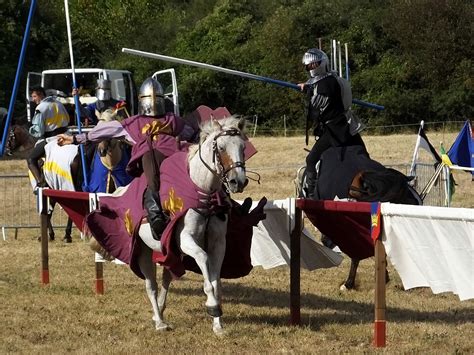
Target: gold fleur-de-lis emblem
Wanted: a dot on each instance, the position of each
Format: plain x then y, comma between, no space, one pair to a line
128,222
174,203
155,128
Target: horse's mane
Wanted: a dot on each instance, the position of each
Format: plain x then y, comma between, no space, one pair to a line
226,123
207,128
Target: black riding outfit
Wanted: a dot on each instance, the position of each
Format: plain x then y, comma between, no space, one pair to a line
326,112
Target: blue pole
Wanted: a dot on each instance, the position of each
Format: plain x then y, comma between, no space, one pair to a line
233,72
19,70
76,96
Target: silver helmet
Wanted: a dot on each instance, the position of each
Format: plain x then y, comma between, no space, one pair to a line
103,91
151,100
315,62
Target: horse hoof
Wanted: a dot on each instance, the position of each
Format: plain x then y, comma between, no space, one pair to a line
343,288
163,327
215,311
219,331
67,239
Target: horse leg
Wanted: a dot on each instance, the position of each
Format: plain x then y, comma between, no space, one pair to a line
50,224
148,268
67,236
327,242
165,284
350,282
194,229
216,251
189,246
50,228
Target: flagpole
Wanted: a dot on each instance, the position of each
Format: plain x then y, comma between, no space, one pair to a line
16,84
74,85
232,72
415,152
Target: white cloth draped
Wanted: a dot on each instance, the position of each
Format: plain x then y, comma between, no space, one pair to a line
271,240
431,247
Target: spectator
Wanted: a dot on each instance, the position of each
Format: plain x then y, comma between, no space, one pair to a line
50,119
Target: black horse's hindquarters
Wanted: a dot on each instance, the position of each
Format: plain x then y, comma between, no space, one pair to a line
337,170
338,166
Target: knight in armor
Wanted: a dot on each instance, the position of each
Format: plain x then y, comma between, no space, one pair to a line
328,109
104,101
50,119
153,134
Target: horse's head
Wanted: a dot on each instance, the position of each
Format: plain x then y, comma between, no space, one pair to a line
108,146
19,138
227,141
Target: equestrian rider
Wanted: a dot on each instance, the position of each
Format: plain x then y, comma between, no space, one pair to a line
153,135
104,101
50,119
329,100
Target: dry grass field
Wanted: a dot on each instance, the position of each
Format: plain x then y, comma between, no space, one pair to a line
67,317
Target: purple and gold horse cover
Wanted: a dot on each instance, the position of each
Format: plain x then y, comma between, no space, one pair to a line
116,224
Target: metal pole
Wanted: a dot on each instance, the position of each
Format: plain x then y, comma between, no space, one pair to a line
232,72
340,59
19,70
74,85
347,60
334,56
255,125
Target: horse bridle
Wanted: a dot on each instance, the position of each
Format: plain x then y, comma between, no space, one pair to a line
217,157
11,142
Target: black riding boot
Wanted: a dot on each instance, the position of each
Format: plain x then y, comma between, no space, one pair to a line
311,179
156,217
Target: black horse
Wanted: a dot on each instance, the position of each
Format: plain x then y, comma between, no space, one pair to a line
349,173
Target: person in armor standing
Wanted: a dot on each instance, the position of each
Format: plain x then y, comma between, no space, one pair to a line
50,119
153,135
104,101
328,108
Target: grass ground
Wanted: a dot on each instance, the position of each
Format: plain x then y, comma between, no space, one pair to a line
67,316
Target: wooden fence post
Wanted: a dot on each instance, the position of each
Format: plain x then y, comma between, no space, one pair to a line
43,210
380,301
295,256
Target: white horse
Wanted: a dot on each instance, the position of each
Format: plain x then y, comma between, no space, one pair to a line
218,160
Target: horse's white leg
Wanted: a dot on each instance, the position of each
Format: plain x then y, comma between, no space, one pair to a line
147,237
189,247
165,284
194,229
148,268
216,250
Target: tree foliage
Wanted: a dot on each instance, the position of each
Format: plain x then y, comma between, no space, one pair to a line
412,56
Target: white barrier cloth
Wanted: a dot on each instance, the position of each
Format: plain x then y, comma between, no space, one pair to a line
431,247
271,241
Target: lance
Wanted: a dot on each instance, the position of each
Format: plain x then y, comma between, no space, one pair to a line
74,85
232,72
